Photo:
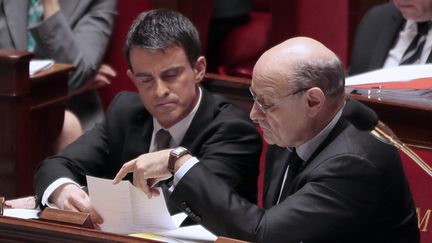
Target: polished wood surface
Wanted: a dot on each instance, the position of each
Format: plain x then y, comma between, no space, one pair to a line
24,230
31,117
409,120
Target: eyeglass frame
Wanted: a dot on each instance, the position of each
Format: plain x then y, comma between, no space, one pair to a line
264,108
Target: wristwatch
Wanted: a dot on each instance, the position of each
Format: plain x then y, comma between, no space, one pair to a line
175,154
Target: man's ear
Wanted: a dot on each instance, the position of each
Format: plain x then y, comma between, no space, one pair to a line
200,69
315,98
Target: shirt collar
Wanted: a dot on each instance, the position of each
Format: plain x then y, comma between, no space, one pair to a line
179,129
411,25
305,150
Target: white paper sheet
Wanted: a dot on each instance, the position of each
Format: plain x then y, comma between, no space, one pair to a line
394,74
125,209
21,213
189,234
39,65
193,233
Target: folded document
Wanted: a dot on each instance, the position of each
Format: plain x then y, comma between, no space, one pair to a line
127,210
400,77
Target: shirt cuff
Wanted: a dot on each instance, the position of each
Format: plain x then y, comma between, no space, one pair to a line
52,187
184,169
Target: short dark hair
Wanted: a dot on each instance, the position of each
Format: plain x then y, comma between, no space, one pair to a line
159,29
327,74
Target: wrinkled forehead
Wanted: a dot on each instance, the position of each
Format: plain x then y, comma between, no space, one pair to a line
272,75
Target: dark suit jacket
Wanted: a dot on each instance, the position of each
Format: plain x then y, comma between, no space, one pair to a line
353,189
375,36
220,135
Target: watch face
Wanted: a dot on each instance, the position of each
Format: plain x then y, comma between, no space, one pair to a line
174,155
178,150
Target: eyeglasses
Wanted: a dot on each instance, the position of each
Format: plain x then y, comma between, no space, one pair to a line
264,107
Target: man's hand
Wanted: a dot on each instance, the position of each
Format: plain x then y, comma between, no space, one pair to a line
25,202
103,76
148,169
50,7
73,198
101,79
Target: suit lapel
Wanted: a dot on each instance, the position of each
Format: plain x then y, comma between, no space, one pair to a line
17,24
386,40
139,137
312,162
429,59
274,173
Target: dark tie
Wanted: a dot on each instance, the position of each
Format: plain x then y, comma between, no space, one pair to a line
414,50
163,139
295,164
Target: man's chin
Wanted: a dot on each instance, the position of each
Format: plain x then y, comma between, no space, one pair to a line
168,119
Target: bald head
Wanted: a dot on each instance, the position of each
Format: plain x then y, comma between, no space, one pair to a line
299,48
298,87
305,63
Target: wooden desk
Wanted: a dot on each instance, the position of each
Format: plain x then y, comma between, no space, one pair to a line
31,117
410,121
25,230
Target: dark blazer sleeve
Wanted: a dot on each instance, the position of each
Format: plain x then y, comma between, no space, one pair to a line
97,152
336,195
374,38
227,142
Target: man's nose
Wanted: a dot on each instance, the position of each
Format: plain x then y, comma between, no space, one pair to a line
161,88
256,113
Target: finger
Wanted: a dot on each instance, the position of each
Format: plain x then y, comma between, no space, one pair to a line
107,70
100,80
124,170
96,218
96,226
69,206
142,184
152,182
154,192
82,203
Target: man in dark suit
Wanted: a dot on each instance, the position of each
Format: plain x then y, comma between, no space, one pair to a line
385,33
163,53
341,184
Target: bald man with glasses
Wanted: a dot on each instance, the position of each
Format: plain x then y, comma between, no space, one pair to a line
325,180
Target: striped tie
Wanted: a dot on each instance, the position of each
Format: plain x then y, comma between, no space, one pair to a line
35,11
414,50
